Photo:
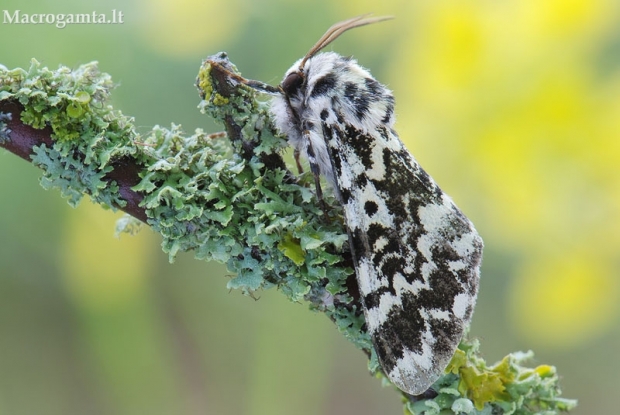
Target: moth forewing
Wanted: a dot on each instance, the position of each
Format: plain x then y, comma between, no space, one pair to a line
416,255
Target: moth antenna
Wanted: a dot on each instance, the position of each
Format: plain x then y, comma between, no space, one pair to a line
339,28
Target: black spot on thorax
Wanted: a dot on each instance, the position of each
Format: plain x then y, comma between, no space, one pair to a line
374,87
323,85
359,98
350,91
389,111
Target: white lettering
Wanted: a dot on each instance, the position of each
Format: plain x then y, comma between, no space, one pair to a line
61,20
82,18
11,19
117,17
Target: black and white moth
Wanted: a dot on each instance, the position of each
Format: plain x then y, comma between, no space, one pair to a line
416,255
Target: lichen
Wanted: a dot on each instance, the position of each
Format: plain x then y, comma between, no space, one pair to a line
507,387
87,132
202,196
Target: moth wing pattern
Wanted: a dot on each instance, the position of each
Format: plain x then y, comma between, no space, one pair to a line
416,255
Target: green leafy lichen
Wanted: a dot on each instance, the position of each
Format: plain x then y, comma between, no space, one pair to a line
87,132
202,196
291,248
74,178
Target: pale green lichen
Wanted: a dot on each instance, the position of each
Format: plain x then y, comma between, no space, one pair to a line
87,132
74,178
228,201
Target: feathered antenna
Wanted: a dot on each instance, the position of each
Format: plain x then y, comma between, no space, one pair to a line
338,29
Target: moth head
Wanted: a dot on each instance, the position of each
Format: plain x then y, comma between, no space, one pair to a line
292,82
295,80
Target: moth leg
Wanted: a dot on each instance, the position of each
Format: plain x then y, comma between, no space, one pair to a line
319,195
296,154
260,86
314,168
219,134
222,64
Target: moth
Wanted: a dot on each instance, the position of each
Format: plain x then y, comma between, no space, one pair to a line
416,255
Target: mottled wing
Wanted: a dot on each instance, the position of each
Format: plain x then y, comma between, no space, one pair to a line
417,256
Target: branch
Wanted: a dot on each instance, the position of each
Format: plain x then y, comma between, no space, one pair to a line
22,139
233,201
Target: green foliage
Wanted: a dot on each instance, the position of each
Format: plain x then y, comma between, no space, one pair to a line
229,204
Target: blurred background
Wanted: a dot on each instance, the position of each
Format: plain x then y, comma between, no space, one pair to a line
512,106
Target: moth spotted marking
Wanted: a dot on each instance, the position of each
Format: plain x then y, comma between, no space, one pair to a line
416,255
